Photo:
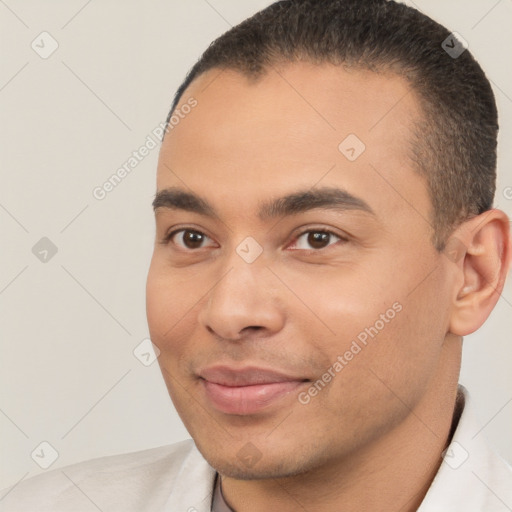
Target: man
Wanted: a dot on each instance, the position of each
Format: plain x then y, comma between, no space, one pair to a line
325,238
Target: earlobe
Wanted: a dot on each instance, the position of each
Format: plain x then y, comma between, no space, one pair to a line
483,249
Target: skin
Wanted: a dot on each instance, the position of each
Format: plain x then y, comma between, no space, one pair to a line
372,438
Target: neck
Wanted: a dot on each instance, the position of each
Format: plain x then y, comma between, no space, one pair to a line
392,473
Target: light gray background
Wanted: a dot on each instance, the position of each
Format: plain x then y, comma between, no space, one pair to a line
69,326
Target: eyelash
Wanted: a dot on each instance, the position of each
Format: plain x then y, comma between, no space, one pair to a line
168,238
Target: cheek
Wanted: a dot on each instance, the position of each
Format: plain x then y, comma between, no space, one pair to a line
173,301
343,302
400,349
159,306
167,304
164,309
374,322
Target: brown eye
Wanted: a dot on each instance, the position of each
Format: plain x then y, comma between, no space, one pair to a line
188,238
192,239
316,239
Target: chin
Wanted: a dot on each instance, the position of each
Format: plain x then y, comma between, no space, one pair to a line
257,468
259,471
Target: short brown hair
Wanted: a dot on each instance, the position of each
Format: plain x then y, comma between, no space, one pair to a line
454,145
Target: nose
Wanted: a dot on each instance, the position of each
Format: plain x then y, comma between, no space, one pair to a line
244,303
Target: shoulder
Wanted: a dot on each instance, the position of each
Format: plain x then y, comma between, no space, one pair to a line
134,481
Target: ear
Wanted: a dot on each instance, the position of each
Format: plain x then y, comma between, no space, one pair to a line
481,249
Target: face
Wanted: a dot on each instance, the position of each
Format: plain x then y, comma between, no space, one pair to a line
294,291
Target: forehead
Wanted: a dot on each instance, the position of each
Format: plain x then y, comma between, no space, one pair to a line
325,97
291,128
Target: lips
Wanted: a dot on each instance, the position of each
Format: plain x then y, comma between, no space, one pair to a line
246,390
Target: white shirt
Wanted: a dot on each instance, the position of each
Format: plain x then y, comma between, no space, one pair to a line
177,478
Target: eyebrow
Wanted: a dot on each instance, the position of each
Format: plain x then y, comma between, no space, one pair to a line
326,198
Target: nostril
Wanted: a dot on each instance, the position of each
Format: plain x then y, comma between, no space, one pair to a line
253,327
